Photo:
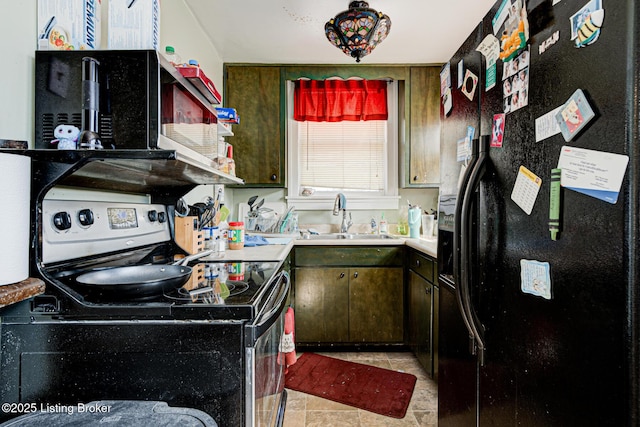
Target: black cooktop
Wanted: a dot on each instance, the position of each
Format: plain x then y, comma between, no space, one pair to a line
231,290
237,283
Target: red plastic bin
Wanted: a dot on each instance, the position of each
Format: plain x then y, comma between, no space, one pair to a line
201,82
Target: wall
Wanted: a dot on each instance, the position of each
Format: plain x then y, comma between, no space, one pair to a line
426,198
18,21
180,29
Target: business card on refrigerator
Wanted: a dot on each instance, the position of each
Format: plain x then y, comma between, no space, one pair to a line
595,173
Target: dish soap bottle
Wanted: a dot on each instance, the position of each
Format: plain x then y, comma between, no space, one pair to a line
383,225
403,218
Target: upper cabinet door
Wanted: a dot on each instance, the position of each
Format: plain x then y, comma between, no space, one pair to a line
258,141
424,134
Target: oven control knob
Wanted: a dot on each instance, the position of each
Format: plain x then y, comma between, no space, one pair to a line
62,221
153,215
85,217
162,217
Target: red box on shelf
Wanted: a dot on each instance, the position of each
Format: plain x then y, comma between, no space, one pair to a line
200,80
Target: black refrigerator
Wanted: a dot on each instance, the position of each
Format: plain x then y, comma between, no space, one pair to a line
538,251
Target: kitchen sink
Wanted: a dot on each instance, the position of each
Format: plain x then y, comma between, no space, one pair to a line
347,236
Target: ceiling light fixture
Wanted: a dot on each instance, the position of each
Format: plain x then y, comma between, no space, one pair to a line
359,30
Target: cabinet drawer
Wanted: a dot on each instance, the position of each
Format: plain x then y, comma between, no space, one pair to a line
423,265
349,256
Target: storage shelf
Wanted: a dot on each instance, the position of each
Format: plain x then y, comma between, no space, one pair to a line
224,129
165,174
184,82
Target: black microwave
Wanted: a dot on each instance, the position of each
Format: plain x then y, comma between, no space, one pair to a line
133,99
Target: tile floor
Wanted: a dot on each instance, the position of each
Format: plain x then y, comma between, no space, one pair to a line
304,410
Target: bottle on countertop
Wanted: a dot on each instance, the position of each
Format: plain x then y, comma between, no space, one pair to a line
383,225
414,219
236,235
435,225
172,56
403,220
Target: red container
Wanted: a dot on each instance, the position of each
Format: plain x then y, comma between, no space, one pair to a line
201,82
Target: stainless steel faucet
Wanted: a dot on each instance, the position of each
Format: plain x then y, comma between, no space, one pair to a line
341,205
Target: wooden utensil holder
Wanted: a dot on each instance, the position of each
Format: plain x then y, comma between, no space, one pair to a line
188,237
197,278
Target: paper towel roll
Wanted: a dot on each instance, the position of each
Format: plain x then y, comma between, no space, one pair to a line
15,218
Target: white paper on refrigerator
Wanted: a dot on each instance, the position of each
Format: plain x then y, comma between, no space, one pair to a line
596,173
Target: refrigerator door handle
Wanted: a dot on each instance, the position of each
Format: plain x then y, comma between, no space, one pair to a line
466,239
457,236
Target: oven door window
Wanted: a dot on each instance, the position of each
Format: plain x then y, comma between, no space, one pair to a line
269,375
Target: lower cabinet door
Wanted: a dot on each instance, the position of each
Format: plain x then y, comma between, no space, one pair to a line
376,302
420,320
322,305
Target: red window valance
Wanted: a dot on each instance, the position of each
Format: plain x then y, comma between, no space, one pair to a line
338,100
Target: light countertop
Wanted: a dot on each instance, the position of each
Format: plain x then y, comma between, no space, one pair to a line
427,246
279,252
254,253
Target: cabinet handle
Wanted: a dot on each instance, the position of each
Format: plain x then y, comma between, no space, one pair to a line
415,178
427,290
274,177
355,274
342,275
417,263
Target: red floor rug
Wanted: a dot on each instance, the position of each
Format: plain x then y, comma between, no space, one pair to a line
373,389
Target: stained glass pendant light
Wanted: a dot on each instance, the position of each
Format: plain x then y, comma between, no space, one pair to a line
359,30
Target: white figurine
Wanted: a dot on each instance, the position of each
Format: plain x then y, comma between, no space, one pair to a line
66,137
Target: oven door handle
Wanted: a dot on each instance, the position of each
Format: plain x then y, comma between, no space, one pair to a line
272,309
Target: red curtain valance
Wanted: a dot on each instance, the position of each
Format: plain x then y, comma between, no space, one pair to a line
338,100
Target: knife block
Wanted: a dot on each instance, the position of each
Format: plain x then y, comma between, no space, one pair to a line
197,278
188,237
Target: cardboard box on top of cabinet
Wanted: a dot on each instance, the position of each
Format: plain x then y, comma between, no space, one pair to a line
69,24
134,24
228,115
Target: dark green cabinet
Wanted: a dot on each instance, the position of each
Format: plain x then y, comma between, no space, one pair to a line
321,305
258,141
420,293
423,299
422,155
349,295
375,305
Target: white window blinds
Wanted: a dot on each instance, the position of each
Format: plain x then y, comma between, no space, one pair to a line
343,155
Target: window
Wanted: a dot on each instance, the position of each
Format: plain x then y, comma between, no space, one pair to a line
356,158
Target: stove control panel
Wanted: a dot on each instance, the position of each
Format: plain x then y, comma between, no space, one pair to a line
74,229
